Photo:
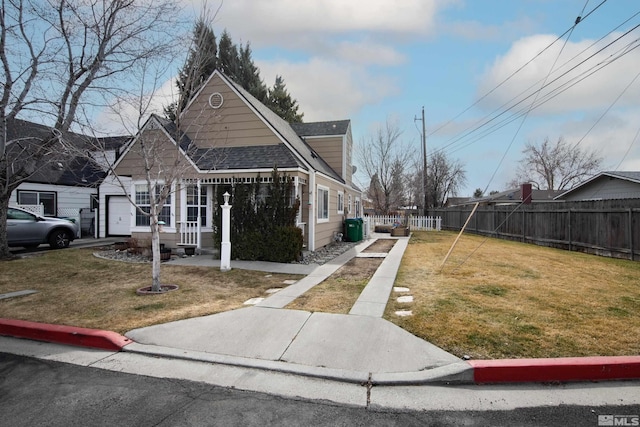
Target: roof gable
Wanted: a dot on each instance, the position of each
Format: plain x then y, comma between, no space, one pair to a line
280,129
627,176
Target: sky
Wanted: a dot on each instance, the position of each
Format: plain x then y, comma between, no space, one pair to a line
467,62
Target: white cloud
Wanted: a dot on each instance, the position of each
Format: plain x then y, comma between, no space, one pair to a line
596,91
327,90
280,19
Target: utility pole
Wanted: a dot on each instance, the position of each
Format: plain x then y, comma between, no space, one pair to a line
425,200
424,165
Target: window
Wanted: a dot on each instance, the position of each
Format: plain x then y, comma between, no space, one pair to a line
47,199
358,213
144,202
340,202
349,211
197,204
323,204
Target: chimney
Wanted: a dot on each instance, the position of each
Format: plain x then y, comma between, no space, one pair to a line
526,193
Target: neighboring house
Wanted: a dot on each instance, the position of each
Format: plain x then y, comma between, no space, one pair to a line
228,134
605,186
61,189
508,197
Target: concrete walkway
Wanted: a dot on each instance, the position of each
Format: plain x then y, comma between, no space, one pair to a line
357,347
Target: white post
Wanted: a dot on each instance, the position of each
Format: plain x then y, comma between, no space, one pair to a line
225,250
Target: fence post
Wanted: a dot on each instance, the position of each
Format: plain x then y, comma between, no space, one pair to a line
569,229
631,233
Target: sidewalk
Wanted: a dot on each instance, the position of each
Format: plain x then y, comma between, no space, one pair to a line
358,348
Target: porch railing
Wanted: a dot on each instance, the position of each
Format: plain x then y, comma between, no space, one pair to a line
189,235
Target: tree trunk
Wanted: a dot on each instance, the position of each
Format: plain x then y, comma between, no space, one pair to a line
4,240
155,250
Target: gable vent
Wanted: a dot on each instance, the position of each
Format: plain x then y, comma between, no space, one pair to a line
216,100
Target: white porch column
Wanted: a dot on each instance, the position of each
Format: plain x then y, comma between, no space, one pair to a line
199,226
312,210
225,250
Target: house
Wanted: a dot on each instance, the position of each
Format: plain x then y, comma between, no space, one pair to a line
510,197
226,134
605,186
65,187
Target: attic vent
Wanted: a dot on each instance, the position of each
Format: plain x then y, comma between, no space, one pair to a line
216,100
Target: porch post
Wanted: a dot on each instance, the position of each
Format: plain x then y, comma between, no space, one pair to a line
199,223
225,250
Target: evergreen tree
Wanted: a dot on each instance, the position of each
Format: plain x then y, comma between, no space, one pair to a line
249,76
280,102
202,61
228,58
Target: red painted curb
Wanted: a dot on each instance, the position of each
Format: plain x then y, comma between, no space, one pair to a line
560,369
83,337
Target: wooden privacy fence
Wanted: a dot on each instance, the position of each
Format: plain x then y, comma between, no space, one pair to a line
606,227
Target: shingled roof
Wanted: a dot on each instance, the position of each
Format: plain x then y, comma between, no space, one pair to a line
75,171
252,157
331,128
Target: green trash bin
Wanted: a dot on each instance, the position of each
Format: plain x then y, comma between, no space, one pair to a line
353,229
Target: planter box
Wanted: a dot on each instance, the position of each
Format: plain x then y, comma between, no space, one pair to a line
400,231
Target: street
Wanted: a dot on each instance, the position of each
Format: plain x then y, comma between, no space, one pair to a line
49,393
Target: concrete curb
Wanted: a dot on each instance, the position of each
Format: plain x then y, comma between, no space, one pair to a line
565,369
71,335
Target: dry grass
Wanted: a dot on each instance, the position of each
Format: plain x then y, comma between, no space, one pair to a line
338,293
516,300
75,288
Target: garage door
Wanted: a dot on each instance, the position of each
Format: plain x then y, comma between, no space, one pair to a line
119,216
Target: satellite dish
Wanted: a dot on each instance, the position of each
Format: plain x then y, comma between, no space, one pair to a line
354,169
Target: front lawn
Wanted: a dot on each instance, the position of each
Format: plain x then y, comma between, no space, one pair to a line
501,299
77,289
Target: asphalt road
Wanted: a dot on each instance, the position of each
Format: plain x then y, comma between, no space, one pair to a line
46,393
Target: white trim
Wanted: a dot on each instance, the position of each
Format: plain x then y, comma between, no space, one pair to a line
321,188
312,211
340,211
172,208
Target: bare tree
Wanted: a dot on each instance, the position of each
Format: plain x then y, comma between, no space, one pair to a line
61,58
385,161
556,165
444,178
162,163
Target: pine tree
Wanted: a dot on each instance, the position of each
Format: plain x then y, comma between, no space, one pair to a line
202,61
281,103
228,61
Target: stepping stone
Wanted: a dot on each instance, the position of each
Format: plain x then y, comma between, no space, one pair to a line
17,294
253,301
406,298
404,313
400,289
371,255
273,290
289,282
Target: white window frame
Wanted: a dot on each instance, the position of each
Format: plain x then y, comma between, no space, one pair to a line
169,228
350,201
322,209
208,206
358,212
340,202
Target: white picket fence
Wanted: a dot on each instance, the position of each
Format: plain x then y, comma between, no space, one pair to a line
418,223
